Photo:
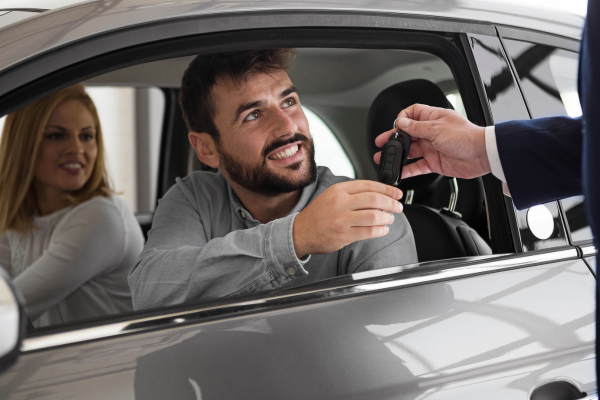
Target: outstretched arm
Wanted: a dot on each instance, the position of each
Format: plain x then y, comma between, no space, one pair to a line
186,259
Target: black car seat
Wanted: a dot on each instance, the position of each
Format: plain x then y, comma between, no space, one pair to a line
439,233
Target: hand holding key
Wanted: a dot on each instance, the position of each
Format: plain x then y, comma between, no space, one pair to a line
448,142
393,157
345,213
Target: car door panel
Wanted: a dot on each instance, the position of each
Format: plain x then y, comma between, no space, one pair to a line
501,333
591,261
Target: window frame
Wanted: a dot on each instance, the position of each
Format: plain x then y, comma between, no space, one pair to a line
445,45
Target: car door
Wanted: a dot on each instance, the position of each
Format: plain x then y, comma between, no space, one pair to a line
494,326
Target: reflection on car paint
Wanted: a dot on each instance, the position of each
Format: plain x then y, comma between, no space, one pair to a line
504,334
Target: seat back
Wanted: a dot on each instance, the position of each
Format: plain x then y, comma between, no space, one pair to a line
438,234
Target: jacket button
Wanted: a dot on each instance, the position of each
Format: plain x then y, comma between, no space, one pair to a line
291,271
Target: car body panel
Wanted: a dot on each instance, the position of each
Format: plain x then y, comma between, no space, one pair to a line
505,333
592,263
10,17
53,28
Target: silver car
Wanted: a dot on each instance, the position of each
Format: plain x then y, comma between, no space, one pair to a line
501,305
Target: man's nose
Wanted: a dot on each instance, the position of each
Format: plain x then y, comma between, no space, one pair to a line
285,124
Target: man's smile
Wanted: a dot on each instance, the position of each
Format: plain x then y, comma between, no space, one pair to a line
286,152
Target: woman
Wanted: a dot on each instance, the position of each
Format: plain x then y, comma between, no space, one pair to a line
65,239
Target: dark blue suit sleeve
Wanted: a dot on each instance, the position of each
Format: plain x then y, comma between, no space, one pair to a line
541,159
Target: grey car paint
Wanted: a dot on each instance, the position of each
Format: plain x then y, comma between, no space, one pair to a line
10,17
491,336
592,263
56,28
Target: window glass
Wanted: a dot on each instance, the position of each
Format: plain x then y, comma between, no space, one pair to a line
549,80
328,150
574,208
457,104
503,94
541,227
564,66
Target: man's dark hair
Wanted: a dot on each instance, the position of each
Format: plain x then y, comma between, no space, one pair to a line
200,76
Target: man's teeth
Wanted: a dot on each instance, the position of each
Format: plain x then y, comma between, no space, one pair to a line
72,165
286,153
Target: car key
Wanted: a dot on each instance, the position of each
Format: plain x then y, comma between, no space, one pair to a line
393,157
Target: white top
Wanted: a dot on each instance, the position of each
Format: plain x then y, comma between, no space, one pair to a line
492,152
75,265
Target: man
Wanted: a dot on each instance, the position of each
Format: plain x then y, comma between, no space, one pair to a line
270,218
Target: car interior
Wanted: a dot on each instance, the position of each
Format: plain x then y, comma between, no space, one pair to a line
357,93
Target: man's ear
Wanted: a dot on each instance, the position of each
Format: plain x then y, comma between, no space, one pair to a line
205,147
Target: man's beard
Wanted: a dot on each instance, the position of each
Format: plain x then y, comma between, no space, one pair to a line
259,178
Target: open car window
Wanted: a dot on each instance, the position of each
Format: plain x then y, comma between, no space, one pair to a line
337,88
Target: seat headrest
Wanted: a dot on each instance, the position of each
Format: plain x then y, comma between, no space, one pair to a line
385,109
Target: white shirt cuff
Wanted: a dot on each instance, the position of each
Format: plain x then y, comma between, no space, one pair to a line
492,152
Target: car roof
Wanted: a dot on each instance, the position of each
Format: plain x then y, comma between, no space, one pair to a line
51,29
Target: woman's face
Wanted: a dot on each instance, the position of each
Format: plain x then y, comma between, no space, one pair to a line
68,151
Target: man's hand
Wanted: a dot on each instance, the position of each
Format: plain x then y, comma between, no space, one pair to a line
345,213
448,142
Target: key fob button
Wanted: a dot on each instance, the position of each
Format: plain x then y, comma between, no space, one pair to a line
387,176
391,150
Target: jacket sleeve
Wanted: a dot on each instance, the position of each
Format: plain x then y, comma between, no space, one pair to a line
180,264
541,159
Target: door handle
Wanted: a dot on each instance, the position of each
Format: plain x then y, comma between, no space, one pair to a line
560,390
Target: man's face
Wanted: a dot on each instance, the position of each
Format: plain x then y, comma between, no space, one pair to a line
265,144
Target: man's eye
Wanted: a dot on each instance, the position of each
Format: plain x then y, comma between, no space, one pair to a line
252,115
289,102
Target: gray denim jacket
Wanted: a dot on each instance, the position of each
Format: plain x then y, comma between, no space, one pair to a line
205,245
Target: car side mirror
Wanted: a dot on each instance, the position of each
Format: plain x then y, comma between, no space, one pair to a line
12,320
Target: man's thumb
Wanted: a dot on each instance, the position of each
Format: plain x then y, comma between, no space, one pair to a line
404,124
414,128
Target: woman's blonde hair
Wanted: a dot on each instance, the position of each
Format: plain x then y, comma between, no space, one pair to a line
19,148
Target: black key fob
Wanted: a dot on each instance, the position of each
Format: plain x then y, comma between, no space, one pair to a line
393,157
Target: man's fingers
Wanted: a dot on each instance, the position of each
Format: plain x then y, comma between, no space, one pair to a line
420,167
354,187
415,150
377,201
371,218
418,129
368,232
377,157
382,139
